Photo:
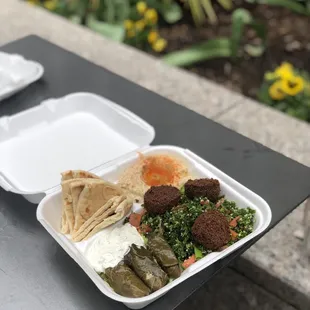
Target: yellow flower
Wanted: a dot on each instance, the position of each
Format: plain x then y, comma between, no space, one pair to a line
33,2
130,33
141,7
159,45
51,5
151,16
129,24
152,36
293,86
275,91
140,25
285,71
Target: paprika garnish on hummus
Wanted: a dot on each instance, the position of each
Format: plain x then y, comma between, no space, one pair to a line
153,170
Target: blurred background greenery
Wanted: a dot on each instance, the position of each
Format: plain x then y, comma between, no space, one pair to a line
239,43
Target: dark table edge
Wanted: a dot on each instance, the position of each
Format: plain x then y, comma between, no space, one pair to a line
239,251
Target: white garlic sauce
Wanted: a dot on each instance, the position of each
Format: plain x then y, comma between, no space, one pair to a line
111,245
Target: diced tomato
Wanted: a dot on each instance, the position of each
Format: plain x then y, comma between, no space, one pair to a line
219,203
143,212
234,222
188,262
234,235
135,219
144,229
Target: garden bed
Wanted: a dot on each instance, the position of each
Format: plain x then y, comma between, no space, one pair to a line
265,47
288,40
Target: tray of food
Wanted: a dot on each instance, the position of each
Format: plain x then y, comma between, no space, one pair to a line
138,219
168,214
16,73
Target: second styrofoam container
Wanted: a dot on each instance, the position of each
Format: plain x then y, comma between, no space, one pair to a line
16,73
49,214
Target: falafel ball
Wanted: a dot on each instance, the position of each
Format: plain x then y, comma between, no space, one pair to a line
211,229
159,199
209,188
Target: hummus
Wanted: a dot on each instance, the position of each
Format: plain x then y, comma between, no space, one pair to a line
150,171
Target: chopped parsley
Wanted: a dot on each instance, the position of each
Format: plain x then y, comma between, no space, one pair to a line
176,224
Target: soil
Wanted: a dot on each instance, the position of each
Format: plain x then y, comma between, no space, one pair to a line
288,40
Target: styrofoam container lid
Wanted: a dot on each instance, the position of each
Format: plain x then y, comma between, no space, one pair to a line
78,131
16,72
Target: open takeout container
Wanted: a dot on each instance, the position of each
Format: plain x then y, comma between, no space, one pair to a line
16,73
85,131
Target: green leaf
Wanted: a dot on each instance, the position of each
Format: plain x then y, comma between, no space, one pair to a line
207,5
263,95
208,50
122,10
196,11
241,18
254,50
76,19
145,239
198,253
289,4
226,4
171,13
182,190
114,32
281,106
109,13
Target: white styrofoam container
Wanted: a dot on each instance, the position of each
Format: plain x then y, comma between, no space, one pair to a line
49,214
78,131
85,131
16,73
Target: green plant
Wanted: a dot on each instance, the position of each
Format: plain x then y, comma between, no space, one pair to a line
288,90
222,47
202,8
170,10
142,28
219,47
107,16
240,19
297,6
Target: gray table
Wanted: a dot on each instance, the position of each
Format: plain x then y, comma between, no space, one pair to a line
35,273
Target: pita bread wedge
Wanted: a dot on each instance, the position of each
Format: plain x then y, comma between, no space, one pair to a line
93,196
73,189
66,196
67,210
106,210
66,206
78,174
114,210
77,187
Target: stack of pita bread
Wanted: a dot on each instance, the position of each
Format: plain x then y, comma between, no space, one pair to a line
90,204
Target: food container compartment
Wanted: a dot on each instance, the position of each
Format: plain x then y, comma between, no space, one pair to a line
16,73
49,214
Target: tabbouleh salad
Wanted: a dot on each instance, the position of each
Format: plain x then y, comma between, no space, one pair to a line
176,224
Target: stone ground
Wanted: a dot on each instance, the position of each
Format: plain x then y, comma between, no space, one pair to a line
231,291
270,275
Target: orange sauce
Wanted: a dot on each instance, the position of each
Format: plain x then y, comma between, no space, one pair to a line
160,170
